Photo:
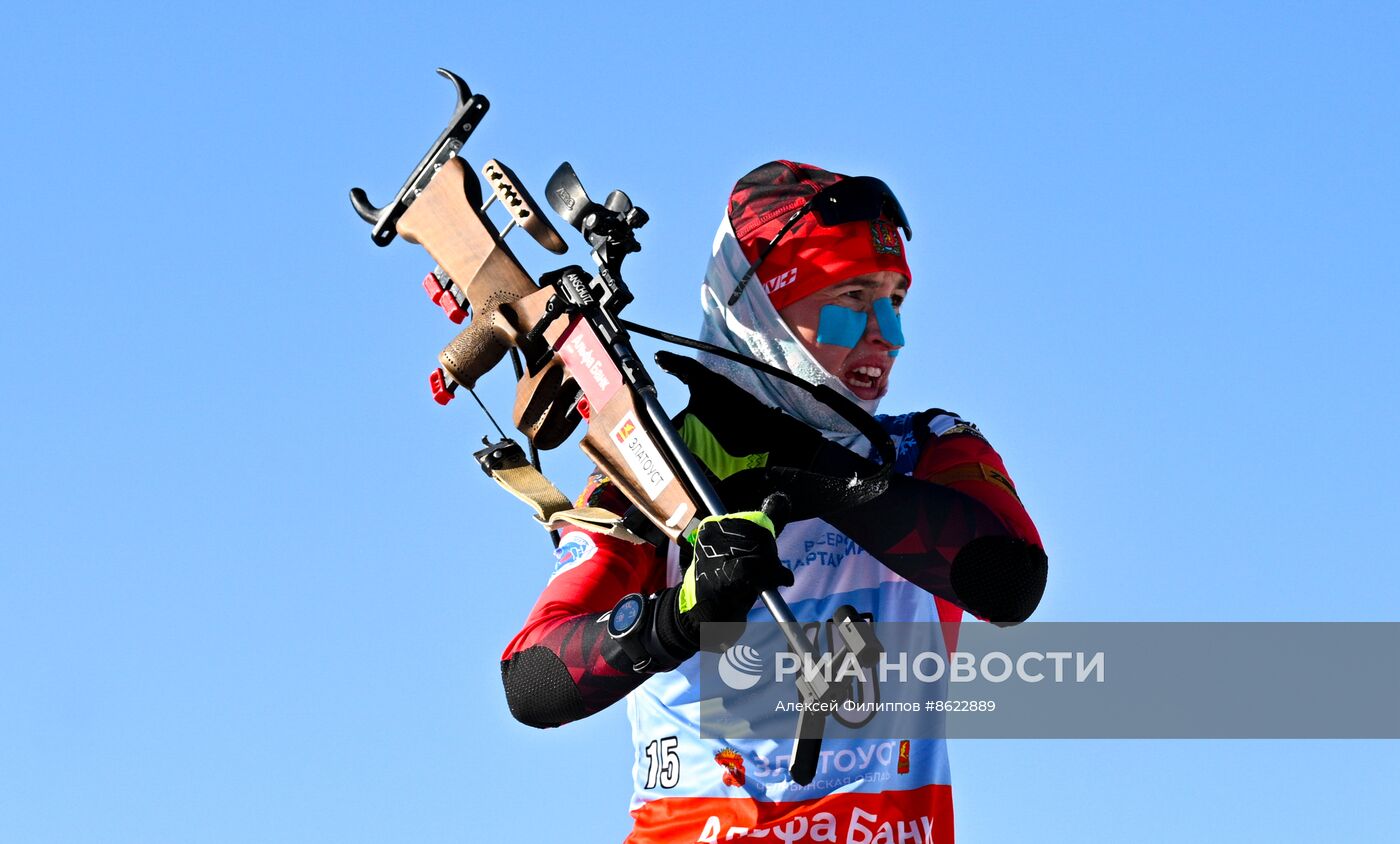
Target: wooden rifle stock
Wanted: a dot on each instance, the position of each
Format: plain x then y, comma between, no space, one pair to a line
445,221
505,304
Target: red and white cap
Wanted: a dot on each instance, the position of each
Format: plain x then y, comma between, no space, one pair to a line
810,256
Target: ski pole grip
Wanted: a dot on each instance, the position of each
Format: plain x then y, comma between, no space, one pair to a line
482,344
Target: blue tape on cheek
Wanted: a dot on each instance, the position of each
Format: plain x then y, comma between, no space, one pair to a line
840,326
888,320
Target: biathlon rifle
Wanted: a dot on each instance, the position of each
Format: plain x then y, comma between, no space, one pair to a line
579,366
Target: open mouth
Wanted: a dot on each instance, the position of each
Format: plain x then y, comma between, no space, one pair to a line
864,376
866,381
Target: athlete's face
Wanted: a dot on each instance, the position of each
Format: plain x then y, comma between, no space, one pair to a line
865,368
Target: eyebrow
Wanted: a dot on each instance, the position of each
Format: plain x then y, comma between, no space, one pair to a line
868,284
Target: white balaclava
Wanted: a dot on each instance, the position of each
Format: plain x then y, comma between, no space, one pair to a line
752,327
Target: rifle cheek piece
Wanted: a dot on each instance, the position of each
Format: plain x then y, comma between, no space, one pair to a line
546,405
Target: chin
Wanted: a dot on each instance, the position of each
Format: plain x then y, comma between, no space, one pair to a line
867,393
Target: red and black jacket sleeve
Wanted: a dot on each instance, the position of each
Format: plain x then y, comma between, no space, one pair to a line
562,666
956,527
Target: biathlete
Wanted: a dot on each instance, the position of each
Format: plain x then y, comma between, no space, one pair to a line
816,291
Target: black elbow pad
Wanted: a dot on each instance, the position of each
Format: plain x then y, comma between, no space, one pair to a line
539,689
1000,578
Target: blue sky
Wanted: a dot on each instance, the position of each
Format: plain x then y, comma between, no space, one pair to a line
252,587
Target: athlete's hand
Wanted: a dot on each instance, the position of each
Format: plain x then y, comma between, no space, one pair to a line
734,430
735,557
753,450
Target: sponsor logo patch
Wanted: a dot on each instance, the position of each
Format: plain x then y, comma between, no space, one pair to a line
589,363
778,282
575,548
642,456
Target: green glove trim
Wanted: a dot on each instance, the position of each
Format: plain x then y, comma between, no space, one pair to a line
702,444
758,517
685,601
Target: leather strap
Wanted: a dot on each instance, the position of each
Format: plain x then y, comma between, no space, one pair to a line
552,509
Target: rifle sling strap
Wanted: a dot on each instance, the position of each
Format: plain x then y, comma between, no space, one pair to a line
552,509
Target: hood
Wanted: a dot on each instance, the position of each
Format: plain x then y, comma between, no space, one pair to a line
752,327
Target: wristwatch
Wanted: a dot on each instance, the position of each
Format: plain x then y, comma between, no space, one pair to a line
628,625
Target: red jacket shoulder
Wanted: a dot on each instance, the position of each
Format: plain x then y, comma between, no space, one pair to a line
956,454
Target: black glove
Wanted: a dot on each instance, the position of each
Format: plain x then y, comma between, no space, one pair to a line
753,450
735,557
748,432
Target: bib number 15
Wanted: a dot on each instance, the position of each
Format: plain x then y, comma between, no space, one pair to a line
663,763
